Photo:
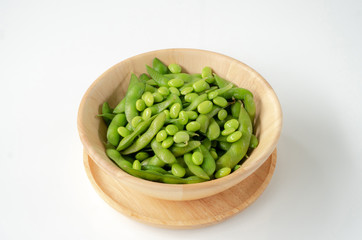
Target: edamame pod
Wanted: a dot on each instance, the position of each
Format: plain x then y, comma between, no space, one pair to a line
133,94
162,153
146,138
197,170
159,66
179,151
113,136
239,148
208,165
158,77
127,141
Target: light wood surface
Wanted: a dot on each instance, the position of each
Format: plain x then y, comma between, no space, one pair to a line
112,85
180,214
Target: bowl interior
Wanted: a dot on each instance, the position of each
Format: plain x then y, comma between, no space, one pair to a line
112,85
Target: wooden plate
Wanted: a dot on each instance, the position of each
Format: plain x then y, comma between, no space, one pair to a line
180,214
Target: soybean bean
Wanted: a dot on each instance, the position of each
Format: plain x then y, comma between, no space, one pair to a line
205,107
140,105
167,142
222,172
181,137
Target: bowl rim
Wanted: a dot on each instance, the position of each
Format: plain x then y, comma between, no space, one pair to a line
242,171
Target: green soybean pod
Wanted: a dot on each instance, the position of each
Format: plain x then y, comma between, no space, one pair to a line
161,135
197,158
180,151
175,110
146,137
183,118
159,66
235,109
120,108
239,148
250,107
234,136
220,101
213,131
140,105
116,157
184,76
129,127
237,166
151,82
107,117
197,170
127,141
205,107
190,97
222,114
203,120
134,92
220,91
150,89
222,172
220,81
162,153
113,136
254,142
206,143
148,98
196,102
136,165
145,162
180,144
178,170
224,145
158,77
167,142
155,168
106,109
208,164
144,77
141,156
155,161
159,107
174,68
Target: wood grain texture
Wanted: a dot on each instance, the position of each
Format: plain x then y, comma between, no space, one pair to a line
180,214
111,86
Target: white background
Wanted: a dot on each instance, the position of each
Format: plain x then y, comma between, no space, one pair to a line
309,51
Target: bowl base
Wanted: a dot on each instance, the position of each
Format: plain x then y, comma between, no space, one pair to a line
180,214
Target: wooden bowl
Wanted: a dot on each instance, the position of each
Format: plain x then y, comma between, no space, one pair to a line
112,85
